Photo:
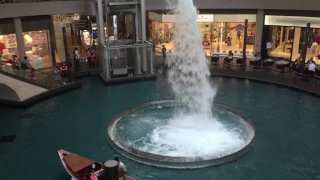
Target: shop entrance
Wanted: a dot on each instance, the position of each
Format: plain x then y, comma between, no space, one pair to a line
287,43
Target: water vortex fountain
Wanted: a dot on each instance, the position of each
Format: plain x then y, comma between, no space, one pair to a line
190,131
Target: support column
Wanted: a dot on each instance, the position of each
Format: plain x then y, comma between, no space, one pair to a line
259,30
107,52
65,43
138,59
306,42
144,35
245,37
151,60
19,37
101,38
100,26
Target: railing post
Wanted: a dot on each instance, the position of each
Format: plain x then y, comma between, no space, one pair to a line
107,50
65,44
244,53
151,60
144,34
138,59
306,42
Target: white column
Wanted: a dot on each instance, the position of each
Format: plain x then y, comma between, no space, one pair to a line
107,53
144,35
100,46
259,30
101,38
19,37
100,25
137,30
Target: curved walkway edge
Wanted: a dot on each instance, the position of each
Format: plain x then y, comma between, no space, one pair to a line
285,80
35,99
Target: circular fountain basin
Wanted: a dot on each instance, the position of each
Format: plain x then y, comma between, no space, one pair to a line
154,134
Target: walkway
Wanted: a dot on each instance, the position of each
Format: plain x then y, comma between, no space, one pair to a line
264,75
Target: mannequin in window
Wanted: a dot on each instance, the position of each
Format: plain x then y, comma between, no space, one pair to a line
314,49
241,43
229,41
239,34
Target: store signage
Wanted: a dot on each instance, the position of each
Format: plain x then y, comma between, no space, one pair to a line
205,18
298,21
200,18
234,18
169,18
269,45
155,17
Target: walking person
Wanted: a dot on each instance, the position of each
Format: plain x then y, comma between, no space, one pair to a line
16,63
57,76
88,57
25,66
33,74
76,58
92,59
164,54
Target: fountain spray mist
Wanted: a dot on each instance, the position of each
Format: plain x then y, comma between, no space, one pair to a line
189,73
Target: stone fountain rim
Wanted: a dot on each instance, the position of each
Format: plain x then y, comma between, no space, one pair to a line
121,146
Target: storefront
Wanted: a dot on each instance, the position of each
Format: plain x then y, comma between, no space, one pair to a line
285,37
37,47
219,32
67,21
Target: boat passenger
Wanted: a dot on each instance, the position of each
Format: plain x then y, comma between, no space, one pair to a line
93,176
87,176
101,171
122,169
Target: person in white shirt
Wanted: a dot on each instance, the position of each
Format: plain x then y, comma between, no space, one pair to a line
312,67
122,169
76,53
76,58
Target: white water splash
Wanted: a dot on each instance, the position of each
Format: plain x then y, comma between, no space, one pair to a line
189,73
192,131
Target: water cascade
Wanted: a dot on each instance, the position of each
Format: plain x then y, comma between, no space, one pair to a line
190,131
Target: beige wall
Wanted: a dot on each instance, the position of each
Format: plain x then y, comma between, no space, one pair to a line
86,6
24,90
42,8
245,4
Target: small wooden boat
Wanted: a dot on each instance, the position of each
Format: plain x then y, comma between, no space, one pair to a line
77,166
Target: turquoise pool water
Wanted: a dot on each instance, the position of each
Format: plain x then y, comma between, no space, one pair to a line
287,132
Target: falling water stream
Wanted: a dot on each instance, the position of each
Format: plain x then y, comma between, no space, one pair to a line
192,129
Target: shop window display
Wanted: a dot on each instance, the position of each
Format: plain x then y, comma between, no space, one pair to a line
287,43
66,20
229,37
8,45
216,37
161,34
226,34
36,44
38,49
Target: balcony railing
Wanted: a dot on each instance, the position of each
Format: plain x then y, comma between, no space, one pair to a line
27,1
123,60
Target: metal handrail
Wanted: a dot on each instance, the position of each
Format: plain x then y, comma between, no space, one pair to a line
13,67
317,77
277,70
147,44
302,75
